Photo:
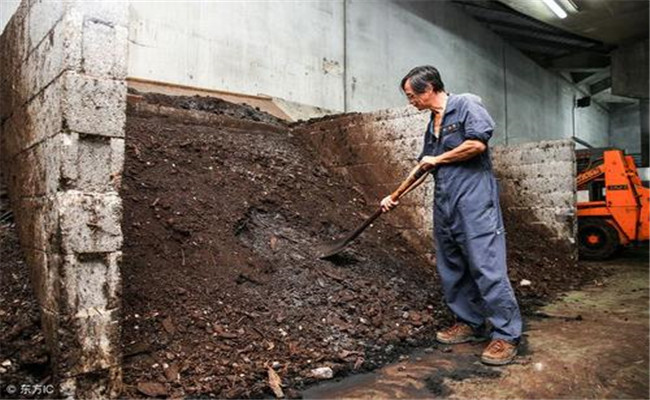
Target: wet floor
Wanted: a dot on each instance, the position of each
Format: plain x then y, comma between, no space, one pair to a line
591,343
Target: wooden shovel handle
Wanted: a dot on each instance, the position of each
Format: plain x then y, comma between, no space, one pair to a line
408,182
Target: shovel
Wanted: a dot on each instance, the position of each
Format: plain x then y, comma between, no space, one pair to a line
330,249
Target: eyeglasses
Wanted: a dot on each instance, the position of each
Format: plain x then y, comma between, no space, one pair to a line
412,96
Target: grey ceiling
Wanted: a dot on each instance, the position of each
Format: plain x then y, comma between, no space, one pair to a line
577,47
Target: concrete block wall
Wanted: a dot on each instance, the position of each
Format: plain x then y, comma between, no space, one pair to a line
62,114
537,180
377,150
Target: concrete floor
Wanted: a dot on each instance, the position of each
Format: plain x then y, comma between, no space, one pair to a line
593,343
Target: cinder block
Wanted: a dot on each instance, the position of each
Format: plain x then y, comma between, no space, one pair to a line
117,163
15,38
43,16
103,384
85,352
90,281
86,342
98,333
69,166
35,171
13,132
14,93
40,119
45,117
50,328
109,12
37,221
91,163
90,223
61,51
13,49
104,50
94,106
44,277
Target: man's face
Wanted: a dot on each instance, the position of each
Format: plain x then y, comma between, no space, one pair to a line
417,100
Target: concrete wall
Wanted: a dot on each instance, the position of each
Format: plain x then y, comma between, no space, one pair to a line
350,55
62,114
377,150
292,50
527,102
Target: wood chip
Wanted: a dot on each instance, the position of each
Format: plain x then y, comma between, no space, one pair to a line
332,275
274,243
275,382
172,374
168,325
152,389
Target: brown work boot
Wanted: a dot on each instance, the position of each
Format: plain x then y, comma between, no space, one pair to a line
499,352
458,333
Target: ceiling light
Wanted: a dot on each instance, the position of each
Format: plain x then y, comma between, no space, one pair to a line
555,8
571,5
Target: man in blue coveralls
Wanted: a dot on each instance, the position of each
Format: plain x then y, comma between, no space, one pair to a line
468,227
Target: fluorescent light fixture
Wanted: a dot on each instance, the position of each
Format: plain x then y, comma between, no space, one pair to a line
555,8
571,5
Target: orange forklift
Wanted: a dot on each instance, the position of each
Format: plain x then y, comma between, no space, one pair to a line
617,213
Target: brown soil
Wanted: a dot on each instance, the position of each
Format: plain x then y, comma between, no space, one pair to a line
220,278
23,357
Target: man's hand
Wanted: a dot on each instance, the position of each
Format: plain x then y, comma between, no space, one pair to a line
388,204
428,162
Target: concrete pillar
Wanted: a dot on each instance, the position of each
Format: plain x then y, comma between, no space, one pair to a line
62,111
630,70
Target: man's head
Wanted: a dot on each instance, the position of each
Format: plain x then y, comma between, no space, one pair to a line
421,84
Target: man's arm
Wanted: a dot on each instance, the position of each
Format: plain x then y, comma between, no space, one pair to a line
387,203
466,150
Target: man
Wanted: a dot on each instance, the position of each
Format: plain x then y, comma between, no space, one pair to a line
468,227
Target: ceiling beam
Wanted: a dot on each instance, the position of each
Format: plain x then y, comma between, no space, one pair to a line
505,16
585,61
510,37
600,86
578,77
595,77
506,29
531,46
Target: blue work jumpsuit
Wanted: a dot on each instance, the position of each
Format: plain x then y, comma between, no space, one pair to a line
468,226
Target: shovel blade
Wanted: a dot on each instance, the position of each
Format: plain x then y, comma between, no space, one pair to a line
335,247
330,249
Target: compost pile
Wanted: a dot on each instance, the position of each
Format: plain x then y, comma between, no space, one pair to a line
222,287
220,275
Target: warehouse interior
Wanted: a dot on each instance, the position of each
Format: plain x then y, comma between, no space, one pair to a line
169,170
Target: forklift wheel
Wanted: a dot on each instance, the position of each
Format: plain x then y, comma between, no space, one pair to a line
597,240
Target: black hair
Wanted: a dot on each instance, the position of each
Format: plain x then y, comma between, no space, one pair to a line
423,77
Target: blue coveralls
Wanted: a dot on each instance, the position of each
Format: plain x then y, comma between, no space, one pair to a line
468,226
